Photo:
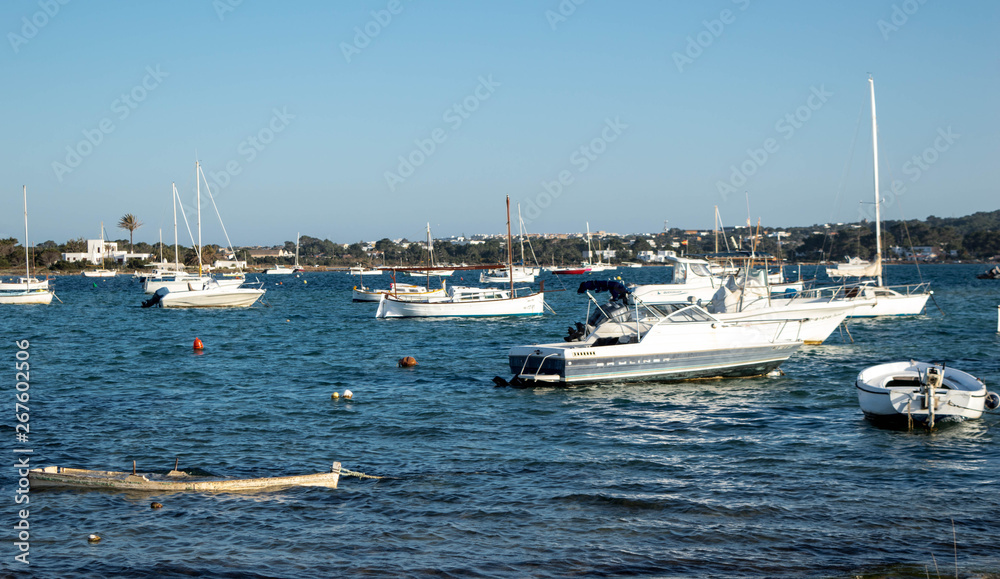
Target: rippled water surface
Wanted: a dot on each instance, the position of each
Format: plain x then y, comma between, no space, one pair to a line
772,477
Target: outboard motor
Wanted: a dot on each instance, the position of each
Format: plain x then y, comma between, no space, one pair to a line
155,298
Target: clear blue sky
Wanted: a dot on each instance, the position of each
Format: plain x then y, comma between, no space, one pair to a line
666,122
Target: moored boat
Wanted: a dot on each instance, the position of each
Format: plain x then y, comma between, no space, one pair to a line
401,290
175,481
625,340
922,392
462,302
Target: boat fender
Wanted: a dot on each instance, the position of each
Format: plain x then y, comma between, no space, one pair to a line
992,400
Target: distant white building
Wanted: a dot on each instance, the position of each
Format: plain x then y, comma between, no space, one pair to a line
655,256
98,248
604,254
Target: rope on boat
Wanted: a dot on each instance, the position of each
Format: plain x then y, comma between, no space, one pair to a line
345,472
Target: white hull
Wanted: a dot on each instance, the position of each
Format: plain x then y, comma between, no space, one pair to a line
391,307
279,271
183,285
890,303
32,284
432,273
687,344
519,277
27,297
101,273
895,390
803,324
212,298
356,271
402,291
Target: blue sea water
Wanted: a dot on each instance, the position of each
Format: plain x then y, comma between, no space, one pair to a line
766,477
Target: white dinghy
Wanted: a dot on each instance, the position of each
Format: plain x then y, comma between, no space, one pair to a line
922,391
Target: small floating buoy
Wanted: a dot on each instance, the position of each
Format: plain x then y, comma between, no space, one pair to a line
93,538
305,281
348,394
335,395
155,506
95,285
407,362
198,345
288,320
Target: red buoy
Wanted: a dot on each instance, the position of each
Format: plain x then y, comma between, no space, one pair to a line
198,345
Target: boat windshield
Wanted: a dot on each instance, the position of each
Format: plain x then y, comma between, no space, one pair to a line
690,314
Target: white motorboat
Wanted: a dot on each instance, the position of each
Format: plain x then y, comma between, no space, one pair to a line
811,316
904,300
922,392
184,281
362,270
626,340
279,269
462,302
206,292
208,295
403,291
26,294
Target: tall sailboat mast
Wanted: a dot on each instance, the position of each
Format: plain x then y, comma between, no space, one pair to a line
878,215
177,266
27,265
197,181
510,254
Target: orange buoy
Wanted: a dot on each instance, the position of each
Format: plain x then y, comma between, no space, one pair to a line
407,362
198,345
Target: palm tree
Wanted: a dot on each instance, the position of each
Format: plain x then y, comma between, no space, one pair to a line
130,222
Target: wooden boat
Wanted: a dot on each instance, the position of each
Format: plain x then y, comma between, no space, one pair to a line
56,476
922,392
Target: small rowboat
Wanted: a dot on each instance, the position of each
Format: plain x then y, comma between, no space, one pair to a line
57,476
922,392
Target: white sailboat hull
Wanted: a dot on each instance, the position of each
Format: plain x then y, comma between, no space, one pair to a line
404,292
101,273
27,297
391,307
891,303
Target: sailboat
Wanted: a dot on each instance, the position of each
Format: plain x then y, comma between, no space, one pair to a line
889,301
296,267
101,272
432,270
520,273
27,294
205,292
467,301
600,265
177,279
